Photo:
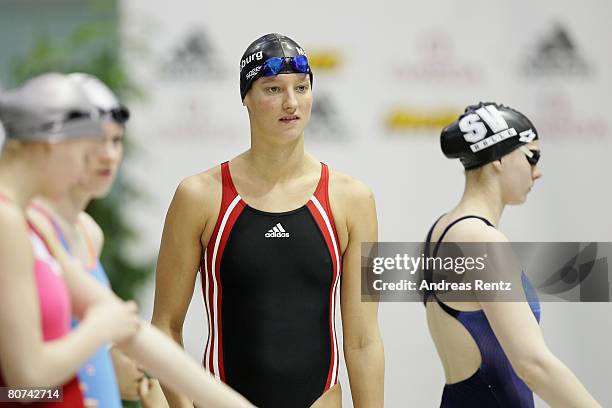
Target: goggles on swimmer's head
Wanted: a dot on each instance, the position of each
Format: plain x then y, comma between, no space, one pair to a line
70,118
532,155
120,114
276,65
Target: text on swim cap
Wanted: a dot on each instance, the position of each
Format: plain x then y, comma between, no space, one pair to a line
491,140
255,56
287,46
474,130
525,136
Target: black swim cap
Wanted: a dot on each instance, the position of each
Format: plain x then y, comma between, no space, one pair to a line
484,133
260,50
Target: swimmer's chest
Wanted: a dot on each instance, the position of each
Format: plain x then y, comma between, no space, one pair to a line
280,249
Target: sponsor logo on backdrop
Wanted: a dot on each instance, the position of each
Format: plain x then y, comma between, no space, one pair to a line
193,57
559,116
556,54
324,61
326,123
412,119
435,60
193,116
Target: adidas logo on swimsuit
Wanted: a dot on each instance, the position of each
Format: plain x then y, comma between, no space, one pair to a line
277,232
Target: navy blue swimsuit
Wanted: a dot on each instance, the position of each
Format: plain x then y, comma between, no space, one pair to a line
495,383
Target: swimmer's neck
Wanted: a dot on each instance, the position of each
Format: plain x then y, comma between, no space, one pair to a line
482,200
69,206
19,182
275,162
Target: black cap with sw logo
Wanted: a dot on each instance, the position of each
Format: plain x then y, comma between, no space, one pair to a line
484,133
260,50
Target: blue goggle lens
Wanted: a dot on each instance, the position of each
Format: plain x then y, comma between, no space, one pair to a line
300,64
274,65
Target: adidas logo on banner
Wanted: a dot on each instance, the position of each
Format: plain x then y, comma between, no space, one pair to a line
325,122
193,58
277,232
556,54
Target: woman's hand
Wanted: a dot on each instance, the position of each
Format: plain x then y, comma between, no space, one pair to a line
128,373
117,321
151,394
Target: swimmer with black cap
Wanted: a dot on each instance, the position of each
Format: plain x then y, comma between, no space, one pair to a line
493,353
52,129
271,232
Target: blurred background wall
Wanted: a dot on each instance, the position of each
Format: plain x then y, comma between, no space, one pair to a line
388,76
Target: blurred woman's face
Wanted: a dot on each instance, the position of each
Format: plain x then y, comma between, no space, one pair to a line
64,164
104,161
519,175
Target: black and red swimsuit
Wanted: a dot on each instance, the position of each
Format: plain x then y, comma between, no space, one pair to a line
270,282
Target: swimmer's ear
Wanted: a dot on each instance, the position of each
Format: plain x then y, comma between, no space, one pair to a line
497,164
245,100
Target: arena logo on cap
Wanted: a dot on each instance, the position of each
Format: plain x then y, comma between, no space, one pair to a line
255,56
527,136
475,131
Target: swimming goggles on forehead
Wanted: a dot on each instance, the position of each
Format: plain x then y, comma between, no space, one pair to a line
276,65
69,117
532,155
120,114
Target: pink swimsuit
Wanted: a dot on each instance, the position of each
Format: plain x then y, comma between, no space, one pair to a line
55,312
52,291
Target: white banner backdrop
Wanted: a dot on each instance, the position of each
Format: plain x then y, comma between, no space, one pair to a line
387,78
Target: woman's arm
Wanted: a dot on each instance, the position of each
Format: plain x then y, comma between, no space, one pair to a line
151,348
521,338
25,358
178,262
166,360
363,346
158,354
